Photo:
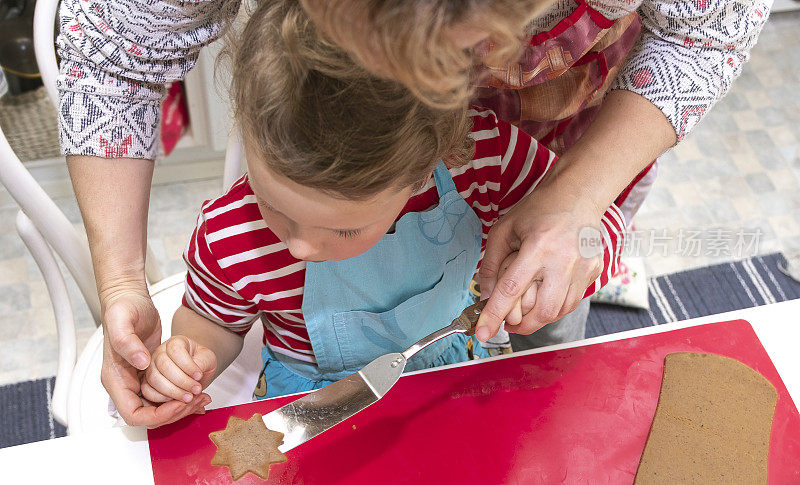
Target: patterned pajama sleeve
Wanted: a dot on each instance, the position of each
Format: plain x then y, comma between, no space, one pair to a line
116,57
689,54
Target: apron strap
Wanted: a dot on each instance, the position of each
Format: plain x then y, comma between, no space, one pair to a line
443,179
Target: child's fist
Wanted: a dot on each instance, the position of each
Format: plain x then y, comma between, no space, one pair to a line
180,369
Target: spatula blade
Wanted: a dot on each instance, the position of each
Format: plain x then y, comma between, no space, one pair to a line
314,413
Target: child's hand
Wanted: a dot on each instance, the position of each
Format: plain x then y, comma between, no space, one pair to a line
180,369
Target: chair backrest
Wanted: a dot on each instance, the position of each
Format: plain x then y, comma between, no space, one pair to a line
44,17
50,222
46,217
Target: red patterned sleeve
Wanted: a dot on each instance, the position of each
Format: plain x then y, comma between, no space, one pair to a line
116,58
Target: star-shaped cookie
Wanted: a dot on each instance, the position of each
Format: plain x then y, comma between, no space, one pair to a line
247,446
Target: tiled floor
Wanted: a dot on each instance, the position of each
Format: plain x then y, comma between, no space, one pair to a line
732,189
736,179
28,342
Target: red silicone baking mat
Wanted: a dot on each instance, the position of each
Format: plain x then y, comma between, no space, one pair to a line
577,415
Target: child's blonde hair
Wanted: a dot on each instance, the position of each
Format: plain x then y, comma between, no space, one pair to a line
322,121
407,39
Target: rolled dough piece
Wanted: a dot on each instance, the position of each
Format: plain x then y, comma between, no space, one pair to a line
247,446
712,424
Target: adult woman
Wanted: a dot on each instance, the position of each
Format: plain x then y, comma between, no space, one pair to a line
117,55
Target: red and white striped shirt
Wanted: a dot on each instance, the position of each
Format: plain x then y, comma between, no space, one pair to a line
238,270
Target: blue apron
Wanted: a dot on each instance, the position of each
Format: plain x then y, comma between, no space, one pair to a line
412,282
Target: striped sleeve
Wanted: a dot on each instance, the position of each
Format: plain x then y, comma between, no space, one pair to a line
613,232
523,163
208,291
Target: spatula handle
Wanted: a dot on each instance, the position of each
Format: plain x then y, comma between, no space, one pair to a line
464,323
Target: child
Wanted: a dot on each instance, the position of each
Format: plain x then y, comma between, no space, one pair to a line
357,229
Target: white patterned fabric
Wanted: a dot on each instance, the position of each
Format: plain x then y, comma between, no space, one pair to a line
117,55
689,54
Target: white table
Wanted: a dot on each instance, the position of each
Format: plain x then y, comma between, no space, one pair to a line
123,453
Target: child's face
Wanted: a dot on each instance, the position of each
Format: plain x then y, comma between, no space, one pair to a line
316,226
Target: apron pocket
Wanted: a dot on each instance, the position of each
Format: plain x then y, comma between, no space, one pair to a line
363,336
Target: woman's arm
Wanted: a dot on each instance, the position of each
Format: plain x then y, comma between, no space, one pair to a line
628,133
687,58
689,54
113,198
115,59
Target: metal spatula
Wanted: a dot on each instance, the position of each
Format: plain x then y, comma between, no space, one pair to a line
305,418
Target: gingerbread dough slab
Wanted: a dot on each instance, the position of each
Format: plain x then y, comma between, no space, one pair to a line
712,424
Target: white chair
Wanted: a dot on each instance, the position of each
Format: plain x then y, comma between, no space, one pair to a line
79,400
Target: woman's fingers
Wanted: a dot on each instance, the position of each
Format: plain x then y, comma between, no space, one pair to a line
574,297
592,268
498,248
549,293
155,416
121,320
138,410
534,286
517,270
169,412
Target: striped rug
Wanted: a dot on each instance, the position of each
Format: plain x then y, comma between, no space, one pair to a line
25,413
699,292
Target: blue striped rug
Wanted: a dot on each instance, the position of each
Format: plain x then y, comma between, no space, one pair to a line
699,292
25,415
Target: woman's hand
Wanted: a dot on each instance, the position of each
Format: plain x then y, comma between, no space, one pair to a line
132,325
549,273
534,270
